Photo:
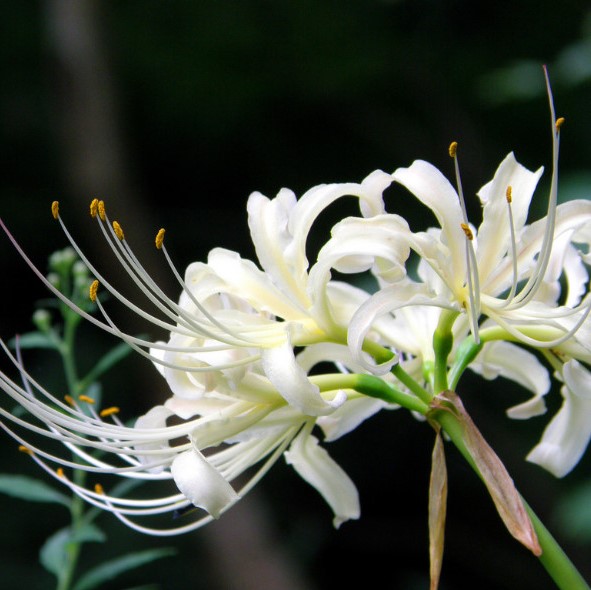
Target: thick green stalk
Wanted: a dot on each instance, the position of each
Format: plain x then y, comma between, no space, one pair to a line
442,344
370,386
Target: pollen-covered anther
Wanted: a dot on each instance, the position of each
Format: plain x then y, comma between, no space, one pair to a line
109,412
60,472
94,208
70,400
160,238
55,209
93,290
24,449
118,230
453,148
509,194
559,123
466,229
98,488
86,398
101,210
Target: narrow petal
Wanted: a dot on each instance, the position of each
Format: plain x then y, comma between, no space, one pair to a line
518,365
566,437
291,381
349,416
155,418
318,198
268,223
383,302
314,465
201,483
494,232
435,191
243,279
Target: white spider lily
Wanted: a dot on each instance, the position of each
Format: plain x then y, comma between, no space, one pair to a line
232,314
505,270
217,440
241,395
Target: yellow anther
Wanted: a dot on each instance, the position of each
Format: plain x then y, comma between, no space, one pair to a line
101,210
453,148
60,472
85,398
509,194
467,231
559,123
55,209
118,231
93,289
70,400
24,449
109,411
94,207
160,238
98,488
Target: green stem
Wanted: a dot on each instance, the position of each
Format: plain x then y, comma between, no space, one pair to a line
466,353
442,344
73,548
370,386
553,558
383,355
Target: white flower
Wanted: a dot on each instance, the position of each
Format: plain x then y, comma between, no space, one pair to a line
215,441
240,393
506,270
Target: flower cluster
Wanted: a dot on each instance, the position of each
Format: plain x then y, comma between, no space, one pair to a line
247,342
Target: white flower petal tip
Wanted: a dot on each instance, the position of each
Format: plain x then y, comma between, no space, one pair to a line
567,436
292,382
315,465
202,484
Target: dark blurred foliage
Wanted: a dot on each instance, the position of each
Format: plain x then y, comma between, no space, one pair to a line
208,101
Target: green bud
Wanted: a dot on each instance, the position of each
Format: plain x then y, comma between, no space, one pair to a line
42,320
61,261
54,279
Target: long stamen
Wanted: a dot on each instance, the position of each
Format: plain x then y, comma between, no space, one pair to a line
529,290
472,278
512,291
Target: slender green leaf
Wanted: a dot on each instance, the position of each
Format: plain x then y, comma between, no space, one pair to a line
54,553
53,556
33,490
34,340
115,567
88,532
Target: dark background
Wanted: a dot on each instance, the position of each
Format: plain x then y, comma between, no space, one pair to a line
173,112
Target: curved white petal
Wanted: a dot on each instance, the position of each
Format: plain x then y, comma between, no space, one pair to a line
201,483
268,222
243,279
357,245
155,418
494,232
318,198
566,437
434,190
315,466
385,301
572,215
518,365
349,416
291,381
